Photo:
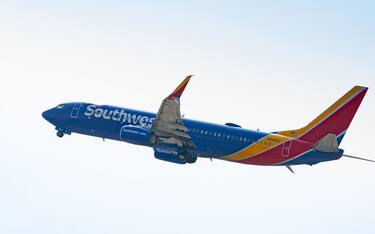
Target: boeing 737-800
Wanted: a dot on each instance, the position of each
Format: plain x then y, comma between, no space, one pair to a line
181,140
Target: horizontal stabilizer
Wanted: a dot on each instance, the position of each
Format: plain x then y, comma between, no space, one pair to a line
354,157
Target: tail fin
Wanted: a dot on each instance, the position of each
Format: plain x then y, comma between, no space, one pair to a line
335,120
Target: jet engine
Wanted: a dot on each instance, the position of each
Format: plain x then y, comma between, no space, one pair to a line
173,153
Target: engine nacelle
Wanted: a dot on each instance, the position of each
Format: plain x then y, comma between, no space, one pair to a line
172,153
135,135
169,156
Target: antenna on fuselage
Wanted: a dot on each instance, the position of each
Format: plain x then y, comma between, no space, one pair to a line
290,169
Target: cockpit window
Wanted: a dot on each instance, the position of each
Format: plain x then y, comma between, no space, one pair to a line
60,106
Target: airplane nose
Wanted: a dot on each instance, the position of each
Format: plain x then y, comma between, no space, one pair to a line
56,115
46,115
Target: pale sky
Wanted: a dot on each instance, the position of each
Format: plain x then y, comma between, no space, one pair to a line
272,65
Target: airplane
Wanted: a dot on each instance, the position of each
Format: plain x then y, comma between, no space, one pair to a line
180,140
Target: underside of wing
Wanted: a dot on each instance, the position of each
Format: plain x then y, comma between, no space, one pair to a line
168,123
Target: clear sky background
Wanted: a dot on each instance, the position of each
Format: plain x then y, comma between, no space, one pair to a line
272,65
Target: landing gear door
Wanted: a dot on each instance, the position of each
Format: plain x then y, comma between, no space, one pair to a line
75,110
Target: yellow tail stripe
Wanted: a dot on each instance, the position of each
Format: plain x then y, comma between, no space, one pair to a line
257,147
273,140
330,110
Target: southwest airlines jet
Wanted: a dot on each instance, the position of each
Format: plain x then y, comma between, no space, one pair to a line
180,140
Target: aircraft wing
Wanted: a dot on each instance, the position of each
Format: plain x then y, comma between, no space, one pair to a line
168,126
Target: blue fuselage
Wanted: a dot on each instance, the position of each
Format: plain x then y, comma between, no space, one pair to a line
211,140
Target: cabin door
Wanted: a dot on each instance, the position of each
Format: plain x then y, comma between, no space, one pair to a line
286,149
75,110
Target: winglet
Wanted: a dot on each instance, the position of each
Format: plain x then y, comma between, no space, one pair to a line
180,89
